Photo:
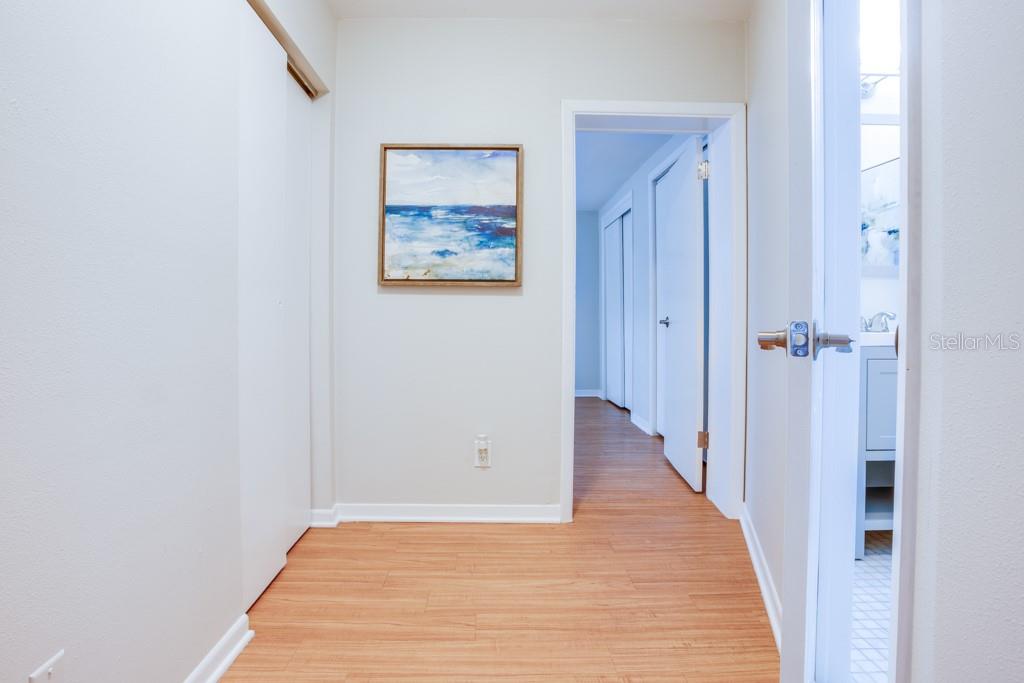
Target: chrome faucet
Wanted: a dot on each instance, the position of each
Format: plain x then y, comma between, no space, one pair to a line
879,322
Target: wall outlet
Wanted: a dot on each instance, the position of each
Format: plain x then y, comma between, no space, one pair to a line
51,672
482,451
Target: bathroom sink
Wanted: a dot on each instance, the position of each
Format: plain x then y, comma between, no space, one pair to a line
877,338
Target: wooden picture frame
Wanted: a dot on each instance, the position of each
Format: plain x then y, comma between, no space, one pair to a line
466,232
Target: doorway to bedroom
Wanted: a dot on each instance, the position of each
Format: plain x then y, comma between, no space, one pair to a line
659,220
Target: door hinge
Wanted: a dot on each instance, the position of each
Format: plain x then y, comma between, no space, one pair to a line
704,170
702,439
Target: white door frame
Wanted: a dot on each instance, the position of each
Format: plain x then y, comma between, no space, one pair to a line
908,390
805,28
700,112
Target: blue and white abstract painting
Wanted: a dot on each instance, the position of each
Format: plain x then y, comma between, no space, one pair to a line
450,215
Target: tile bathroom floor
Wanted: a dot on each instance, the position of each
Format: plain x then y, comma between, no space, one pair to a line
869,654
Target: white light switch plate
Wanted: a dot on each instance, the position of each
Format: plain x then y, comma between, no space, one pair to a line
51,672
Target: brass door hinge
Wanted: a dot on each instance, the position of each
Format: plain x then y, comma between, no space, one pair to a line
702,439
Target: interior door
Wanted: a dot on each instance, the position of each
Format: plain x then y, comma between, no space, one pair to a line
273,307
836,254
627,307
679,261
614,348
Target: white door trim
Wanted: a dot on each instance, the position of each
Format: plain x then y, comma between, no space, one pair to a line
734,112
909,382
617,210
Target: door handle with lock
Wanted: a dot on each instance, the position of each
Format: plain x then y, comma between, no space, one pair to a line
826,340
772,340
799,343
665,321
794,339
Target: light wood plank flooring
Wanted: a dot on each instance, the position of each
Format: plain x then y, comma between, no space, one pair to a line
649,583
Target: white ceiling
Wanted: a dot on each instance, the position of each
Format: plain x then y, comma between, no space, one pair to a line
604,161
654,10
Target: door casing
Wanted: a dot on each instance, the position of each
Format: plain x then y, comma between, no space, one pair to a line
699,117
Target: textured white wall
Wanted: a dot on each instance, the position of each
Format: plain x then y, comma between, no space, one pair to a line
420,371
119,500
969,603
588,299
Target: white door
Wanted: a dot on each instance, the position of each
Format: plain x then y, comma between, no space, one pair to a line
273,309
835,394
679,259
614,348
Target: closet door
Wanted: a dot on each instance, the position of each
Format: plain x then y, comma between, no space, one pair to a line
627,307
273,307
614,351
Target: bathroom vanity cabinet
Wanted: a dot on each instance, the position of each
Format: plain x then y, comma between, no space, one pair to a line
877,448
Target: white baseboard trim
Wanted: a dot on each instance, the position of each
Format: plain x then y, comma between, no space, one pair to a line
769,594
217,661
402,512
589,393
323,518
642,424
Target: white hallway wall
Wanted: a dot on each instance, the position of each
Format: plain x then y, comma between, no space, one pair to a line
420,371
119,335
588,314
118,361
768,278
969,600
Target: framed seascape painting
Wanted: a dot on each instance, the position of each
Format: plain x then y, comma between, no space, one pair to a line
451,215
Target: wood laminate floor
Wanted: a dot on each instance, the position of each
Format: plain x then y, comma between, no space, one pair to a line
649,583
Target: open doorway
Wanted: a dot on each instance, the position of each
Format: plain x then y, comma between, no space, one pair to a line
655,210
859,291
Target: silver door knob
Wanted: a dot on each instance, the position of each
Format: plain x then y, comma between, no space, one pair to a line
773,340
664,322
826,340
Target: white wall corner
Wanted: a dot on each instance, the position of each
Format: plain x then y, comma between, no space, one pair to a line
769,594
405,512
324,518
217,661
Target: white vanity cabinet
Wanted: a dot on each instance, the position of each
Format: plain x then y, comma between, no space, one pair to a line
877,448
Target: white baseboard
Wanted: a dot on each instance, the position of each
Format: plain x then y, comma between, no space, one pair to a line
589,393
769,594
323,518
400,512
217,661
641,424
